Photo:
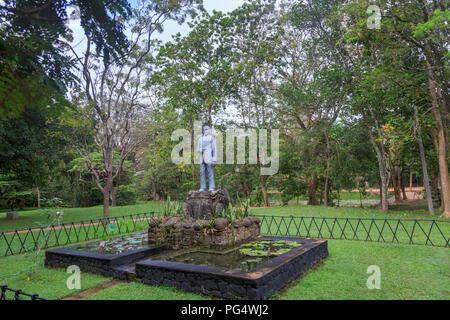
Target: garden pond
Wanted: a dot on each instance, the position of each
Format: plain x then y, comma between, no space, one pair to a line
116,245
245,257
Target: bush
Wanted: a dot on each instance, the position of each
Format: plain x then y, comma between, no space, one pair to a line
127,195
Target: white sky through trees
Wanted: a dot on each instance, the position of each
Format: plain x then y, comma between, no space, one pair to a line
170,27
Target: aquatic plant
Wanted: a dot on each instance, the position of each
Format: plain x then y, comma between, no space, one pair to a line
267,248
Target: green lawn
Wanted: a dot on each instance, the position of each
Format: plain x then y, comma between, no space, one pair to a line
15,272
140,291
347,195
416,210
407,272
28,218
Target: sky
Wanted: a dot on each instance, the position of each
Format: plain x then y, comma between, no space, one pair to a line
170,27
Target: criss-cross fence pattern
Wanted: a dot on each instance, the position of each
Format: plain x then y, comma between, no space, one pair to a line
407,231
12,294
21,241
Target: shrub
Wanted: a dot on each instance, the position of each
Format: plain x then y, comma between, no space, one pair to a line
127,195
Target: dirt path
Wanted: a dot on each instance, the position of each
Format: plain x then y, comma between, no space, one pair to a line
91,291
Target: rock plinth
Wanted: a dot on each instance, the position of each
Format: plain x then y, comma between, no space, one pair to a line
205,204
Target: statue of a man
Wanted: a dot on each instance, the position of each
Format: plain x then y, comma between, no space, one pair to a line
208,157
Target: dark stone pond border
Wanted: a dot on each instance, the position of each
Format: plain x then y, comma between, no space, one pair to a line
258,283
110,265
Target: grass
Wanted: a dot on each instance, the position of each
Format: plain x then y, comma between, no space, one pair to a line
346,195
29,218
407,271
140,291
400,211
48,283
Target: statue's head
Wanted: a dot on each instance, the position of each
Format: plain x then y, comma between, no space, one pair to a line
206,130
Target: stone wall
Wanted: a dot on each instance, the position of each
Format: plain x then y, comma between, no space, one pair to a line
86,264
177,235
109,265
205,204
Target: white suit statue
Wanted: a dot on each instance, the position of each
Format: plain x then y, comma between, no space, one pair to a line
208,157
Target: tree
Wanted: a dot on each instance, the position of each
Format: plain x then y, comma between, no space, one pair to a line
35,66
352,158
194,72
418,26
29,150
113,92
315,78
257,30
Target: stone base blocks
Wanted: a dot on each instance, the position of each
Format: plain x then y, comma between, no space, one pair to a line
215,233
205,204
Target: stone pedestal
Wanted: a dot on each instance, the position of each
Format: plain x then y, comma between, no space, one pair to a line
204,204
12,215
175,234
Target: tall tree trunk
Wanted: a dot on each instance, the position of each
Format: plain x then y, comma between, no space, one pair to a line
426,181
263,181
381,194
395,182
327,179
442,156
410,179
38,197
360,198
326,190
106,196
153,189
209,115
312,189
384,178
400,182
437,177
339,196
114,193
106,206
402,186
193,154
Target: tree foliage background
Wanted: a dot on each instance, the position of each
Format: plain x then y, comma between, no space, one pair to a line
354,104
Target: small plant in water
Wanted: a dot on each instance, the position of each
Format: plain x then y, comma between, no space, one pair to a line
268,248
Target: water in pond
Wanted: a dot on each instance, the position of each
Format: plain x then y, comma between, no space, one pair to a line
117,245
245,257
